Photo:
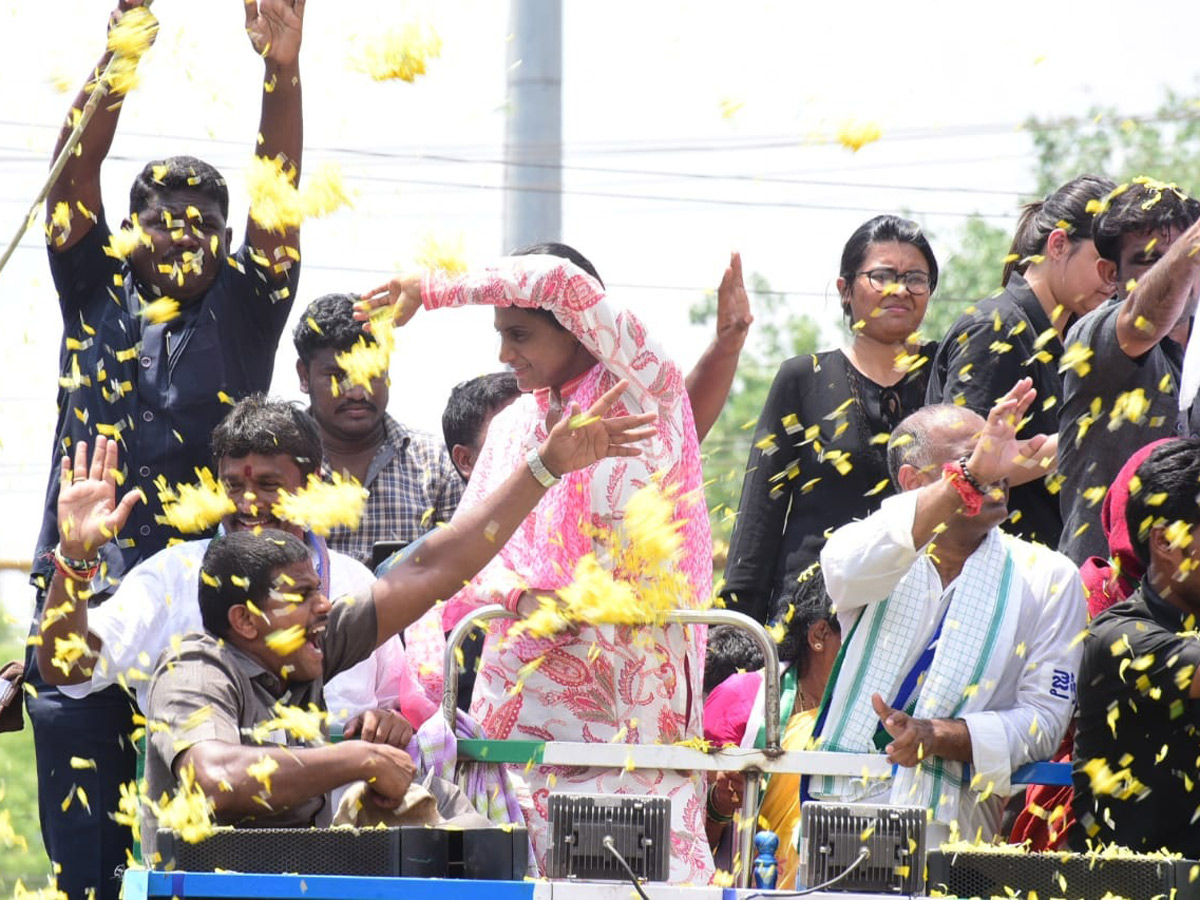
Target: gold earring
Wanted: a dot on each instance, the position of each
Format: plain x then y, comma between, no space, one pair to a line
818,646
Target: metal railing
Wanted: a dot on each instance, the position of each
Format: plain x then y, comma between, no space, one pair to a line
658,756
753,762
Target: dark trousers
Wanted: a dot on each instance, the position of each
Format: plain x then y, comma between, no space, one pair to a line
83,840
472,648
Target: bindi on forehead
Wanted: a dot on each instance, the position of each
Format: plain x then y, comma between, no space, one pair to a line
247,472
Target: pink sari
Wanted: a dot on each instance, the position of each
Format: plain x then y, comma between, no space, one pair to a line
606,684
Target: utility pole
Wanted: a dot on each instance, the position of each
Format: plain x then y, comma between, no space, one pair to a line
533,132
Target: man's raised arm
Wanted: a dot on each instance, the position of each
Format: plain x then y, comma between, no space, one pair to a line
79,184
275,28
89,516
1163,296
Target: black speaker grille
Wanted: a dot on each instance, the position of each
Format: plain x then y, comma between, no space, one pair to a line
1072,876
639,826
309,851
832,836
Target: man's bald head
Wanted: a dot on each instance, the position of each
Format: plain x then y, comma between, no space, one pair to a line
931,437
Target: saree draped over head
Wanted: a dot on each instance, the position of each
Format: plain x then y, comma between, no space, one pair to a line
607,683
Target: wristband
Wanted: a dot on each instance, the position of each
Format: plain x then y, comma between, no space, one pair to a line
543,475
958,476
719,818
83,570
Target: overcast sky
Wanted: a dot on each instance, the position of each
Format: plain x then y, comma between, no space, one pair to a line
661,178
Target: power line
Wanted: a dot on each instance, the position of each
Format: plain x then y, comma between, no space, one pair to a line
764,142
710,176
698,290
756,143
925,132
656,198
667,198
392,156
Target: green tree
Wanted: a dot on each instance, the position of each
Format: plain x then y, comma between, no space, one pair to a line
1164,144
777,334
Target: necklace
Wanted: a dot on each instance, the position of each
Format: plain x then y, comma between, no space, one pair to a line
801,704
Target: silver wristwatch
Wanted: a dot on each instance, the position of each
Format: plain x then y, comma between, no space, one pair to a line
539,470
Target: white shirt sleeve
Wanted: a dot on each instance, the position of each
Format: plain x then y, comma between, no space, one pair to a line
156,601
865,560
1045,668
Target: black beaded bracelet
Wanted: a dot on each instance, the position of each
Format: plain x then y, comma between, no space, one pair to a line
968,477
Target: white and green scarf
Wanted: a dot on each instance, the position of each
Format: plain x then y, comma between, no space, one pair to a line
976,642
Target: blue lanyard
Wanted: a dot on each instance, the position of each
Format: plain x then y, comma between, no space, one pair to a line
320,559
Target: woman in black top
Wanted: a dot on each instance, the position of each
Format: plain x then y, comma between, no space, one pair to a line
1050,279
819,455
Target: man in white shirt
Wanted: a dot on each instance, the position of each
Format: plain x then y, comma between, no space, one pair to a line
960,659
262,448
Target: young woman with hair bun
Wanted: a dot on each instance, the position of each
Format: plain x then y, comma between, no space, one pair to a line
1050,278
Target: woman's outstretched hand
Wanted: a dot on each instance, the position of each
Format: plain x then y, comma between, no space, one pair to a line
402,294
578,440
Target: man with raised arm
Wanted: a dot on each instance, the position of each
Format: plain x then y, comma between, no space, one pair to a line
958,659
1123,391
269,624
161,327
264,451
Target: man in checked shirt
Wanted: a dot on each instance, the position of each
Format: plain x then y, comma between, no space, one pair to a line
413,484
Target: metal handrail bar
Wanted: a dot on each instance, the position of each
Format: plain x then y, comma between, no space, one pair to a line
752,762
750,792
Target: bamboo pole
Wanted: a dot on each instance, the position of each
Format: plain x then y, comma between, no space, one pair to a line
99,92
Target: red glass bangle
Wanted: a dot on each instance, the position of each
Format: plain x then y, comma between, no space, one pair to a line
512,598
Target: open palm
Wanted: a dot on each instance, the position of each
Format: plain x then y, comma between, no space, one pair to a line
733,307
579,440
275,28
998,449
402,294
89,515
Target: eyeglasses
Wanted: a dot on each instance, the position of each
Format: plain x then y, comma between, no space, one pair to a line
916,282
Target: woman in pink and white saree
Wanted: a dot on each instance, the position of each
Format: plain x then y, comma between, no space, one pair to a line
598,683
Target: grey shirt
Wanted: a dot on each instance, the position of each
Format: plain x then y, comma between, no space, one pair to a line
209,690
1093,443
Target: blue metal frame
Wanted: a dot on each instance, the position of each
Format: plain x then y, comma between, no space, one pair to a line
144,885
1052,773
